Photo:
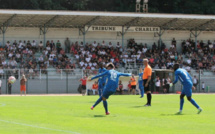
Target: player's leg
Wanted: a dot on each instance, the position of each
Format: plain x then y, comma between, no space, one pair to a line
181,102
194,103
141,91
97,102
105,104
148,92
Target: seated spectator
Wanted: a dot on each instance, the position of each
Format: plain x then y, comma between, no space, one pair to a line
95,87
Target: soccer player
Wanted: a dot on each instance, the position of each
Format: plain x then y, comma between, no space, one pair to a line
187,83
23,85
147,73
110,87
102,80
140,82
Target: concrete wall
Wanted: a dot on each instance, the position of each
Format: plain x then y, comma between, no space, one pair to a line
61,33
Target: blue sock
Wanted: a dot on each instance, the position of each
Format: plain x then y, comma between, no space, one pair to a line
105,106
181,104
100,92
98,101
142,92
194,103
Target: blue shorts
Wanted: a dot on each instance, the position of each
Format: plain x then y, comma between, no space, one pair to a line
187,90
107,93
101,86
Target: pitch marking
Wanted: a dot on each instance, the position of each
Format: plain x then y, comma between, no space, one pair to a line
59,130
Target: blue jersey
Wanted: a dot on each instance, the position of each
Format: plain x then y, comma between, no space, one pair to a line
113,79
140,77
183,76
102,80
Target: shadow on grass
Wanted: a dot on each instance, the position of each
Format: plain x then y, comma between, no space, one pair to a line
99,116
176,114
137,106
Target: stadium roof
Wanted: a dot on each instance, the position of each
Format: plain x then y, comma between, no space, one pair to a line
77,19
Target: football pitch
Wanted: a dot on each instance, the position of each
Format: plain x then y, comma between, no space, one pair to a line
72,114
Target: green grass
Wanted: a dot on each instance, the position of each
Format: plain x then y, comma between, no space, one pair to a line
72,114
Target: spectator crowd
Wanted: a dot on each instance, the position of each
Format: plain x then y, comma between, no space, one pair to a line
21,55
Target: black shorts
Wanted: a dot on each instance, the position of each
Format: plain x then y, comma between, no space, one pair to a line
83,87
146,88
133,87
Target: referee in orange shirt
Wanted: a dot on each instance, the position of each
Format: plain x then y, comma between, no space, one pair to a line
147,73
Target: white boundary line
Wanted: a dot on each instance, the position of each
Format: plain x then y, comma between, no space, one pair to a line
59,130
2,104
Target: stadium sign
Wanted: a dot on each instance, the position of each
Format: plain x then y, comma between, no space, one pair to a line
119,29
144,29
105,28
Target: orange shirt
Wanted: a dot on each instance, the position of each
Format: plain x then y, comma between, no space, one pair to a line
95,86
147,72
133,82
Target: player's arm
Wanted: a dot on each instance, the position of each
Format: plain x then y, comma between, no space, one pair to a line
100,75
176,78
125,74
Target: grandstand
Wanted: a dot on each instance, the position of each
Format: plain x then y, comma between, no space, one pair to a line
34,43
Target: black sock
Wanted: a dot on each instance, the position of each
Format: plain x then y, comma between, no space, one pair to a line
149,97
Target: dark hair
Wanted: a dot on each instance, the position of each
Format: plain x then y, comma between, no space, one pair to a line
176,66
111,65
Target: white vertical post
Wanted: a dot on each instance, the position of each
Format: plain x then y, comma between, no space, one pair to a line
40,74
19,74
61,75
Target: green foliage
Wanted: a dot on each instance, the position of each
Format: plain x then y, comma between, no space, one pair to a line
155,6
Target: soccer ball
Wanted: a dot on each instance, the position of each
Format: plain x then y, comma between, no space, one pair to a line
12,79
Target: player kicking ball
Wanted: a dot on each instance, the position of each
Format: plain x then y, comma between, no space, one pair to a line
110,87
187,83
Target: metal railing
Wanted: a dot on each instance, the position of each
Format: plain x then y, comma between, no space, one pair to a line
67,81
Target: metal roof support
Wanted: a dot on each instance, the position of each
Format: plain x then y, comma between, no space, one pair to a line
130,23
90,23
196,34
83,30
127,25
161,32
26,22
68,22
205,24
166,25
5,26
43,30
45,27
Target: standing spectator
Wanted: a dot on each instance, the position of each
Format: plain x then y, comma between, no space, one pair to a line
52,45
195,82
129,86
83,84
40,46
23,85
167,82
157,84
95,87
67,45
203,86
58,46
9,87
133,84
120,88
1,73
0,85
